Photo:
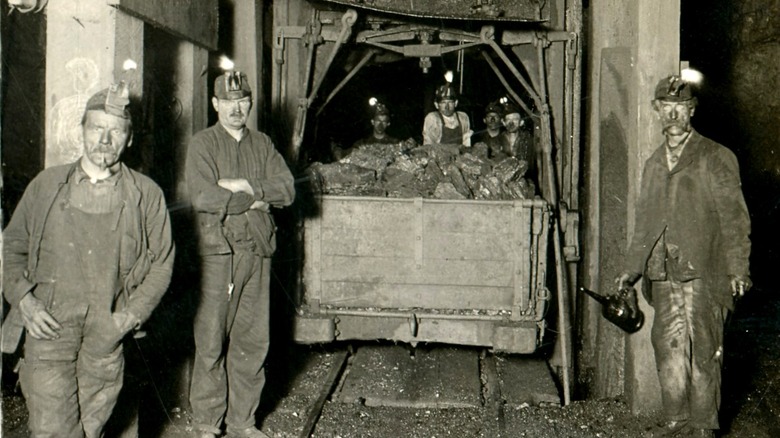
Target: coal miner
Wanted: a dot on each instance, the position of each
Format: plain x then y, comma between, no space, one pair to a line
380,121
234,176
691,243
446,125
88,256
516,140
493,125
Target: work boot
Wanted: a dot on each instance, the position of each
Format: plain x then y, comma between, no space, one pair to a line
204,431
250,432
667,429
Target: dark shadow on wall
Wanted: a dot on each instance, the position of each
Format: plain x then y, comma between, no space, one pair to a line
23,104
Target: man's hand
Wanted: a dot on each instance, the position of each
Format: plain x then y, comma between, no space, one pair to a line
261,205
38,322
236,185
125,321
626,280
467,137
740,285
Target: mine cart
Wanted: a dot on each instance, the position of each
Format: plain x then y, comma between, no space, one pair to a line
468,271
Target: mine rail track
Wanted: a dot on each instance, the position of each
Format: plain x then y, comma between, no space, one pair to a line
493,415
328,386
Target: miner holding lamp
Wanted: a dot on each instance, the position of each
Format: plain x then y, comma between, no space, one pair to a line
691,244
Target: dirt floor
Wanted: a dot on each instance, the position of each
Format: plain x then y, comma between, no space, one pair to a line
750,409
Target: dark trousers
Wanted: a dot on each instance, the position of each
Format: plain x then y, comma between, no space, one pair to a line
687,338
231,341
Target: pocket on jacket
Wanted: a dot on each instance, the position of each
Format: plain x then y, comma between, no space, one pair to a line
211,238
263,229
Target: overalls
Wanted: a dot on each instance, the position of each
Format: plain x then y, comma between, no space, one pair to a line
451,135
72,383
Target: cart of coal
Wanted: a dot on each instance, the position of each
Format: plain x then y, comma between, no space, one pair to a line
436,171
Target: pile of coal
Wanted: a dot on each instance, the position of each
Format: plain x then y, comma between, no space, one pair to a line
430,171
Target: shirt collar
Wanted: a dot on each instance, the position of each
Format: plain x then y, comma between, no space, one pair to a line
227,133
80,176
673,156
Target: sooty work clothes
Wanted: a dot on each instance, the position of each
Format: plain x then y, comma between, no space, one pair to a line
86,250
231,324
690,238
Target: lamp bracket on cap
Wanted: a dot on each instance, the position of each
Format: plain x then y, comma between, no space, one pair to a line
232,84
117,98
674,88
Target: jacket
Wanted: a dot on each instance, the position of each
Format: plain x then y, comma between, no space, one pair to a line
146,253
213,155
698,209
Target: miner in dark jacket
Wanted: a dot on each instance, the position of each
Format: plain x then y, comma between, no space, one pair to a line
691,242
234,175
87,257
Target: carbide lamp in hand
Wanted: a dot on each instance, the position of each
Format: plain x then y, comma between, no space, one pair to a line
621,309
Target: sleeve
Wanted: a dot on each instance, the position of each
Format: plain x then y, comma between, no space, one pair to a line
731,210
647,230
206,195
277,188
466,122
16,244
160,256
431,129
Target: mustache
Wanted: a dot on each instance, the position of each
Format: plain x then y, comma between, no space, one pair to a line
104,148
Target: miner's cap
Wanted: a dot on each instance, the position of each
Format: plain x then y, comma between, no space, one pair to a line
232,85
674,89
113,100
446,92
509,108
493,107
380,109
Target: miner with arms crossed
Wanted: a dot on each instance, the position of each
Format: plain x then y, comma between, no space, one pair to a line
234,175
87,256
691,243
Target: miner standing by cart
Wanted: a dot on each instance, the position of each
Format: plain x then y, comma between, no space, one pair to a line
446,125
691,243
516,140
234,175
87,257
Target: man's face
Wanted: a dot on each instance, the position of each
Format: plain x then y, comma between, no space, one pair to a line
492,120
446,107
513,122
675,116
233,113
380,123
105,137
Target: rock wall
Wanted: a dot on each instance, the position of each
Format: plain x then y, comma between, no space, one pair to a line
737,46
